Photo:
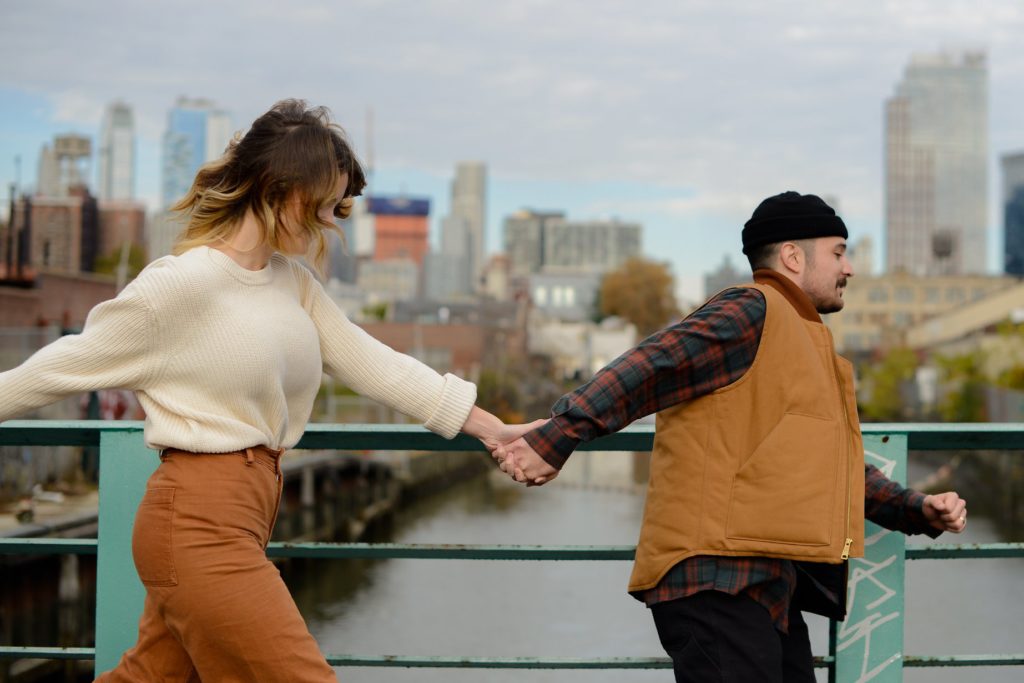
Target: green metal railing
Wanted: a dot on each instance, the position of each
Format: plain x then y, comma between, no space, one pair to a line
866,646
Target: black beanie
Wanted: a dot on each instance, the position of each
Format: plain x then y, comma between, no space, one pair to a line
791,216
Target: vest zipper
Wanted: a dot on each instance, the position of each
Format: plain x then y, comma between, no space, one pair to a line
845,555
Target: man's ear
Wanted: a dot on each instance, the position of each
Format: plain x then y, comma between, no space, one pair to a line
792,258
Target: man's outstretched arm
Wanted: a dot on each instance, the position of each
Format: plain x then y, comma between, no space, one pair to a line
710,349
895,507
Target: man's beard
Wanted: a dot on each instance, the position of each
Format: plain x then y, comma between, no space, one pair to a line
832,304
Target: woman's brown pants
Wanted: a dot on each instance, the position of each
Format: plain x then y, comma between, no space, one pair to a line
216,608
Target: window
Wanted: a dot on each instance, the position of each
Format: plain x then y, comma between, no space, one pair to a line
878,295
902,318
540,295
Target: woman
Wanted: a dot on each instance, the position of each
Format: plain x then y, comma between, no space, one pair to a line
225,344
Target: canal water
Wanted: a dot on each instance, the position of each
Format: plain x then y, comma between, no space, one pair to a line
580,608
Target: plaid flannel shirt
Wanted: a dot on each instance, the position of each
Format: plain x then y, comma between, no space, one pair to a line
710,349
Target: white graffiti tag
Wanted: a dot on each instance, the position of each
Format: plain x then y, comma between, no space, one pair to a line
872,633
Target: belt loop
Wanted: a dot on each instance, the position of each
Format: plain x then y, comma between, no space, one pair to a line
249,457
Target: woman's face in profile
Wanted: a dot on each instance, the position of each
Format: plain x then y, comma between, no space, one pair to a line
295,238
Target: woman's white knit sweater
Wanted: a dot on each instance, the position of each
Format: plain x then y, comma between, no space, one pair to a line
223,358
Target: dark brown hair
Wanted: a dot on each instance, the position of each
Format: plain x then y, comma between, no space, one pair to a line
292,150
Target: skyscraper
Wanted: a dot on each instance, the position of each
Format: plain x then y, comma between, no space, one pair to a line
524,239
463,229
1013,214
117,153
546,242
594,246
936,175
197,132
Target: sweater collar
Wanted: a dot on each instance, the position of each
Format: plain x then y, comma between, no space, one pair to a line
243,275
796,297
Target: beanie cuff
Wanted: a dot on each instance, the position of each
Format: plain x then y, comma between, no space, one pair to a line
757,233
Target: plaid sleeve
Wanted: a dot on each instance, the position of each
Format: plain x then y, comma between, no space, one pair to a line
711,348
892,506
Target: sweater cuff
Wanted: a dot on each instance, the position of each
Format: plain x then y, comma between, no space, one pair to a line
552,443
457,398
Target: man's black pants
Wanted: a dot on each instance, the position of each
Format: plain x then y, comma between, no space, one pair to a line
714,637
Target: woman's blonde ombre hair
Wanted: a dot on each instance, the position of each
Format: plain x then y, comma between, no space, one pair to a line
292,150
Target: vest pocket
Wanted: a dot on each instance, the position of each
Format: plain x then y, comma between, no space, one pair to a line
785,491
151,538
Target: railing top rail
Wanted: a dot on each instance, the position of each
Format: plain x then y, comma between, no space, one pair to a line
920,436
451,551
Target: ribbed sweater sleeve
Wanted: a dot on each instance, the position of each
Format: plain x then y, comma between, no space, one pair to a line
114,350
375,370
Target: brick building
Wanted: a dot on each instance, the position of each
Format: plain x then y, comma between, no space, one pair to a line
57,234
120,222
55,299
401,227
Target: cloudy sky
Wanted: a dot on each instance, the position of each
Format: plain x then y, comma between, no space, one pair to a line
680,114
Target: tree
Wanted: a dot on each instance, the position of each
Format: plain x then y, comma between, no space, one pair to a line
498,393
967,402
108,264
642,292
885,381
1012,377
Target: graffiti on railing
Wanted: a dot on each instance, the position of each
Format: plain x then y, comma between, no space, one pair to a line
870,641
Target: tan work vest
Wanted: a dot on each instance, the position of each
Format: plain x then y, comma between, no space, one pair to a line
771,465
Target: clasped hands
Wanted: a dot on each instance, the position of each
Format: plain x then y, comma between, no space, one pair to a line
516,458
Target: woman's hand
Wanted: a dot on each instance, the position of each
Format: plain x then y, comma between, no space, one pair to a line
492,432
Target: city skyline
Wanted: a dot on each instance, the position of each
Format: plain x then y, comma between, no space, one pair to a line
642,115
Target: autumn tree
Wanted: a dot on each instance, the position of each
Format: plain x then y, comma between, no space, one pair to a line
642,292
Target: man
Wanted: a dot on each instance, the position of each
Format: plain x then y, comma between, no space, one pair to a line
751,511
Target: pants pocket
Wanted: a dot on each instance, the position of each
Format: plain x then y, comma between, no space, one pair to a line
152,536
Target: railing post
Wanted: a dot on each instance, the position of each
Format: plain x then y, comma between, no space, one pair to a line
870,642
125,464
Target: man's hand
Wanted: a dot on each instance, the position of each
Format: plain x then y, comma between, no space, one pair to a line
946,511
521,462
494,439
